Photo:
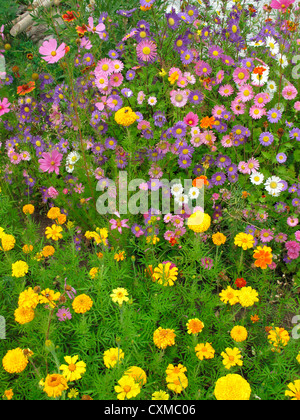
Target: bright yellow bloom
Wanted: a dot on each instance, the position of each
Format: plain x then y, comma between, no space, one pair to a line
247,296
8,393
138,374
120,256
48,251
294,390
160,395
73,370
82,303
27,249
298,358
49,297
164,337
218,238
263,257
24,315
175,370
93,272
244,240
119,295
8,242
125,116
199,222
177,382
231,357
54,385
194,326
53,213
127,388
239,333
28,209
61,219
73,393
1,232
204,351
28,299
153,239
232,387
229,295
279,337
14,361
165,275
19,269
54,232
113,356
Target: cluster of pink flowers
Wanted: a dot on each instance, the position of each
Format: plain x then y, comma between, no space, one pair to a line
293,249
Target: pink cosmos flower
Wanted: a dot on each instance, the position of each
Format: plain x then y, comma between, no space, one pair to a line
51,53
179,98
191,119
50,162
85,43
281,4
292,221
4,106
297,106
95,29
52,192
118,224
297,235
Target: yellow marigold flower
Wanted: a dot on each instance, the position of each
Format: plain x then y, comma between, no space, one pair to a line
247,296
61,219
160,395
294,390
232,387
55,384
8,242
28,209
28,298
175,370
1,232
165,274
119,295
73,370
48,251
24,315
218,238
153,239
113,356
8,394
298,358
82,303
19,269
49,297
244,240
239,333
204,351
73,393
27,249
54,232
14,361
125,116
120,256
93,272
53,213
138,374
199,222
127,388
279,337
232,357
164,337
229,295
194,326
177,382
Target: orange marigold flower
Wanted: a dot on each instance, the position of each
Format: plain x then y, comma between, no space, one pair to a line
207,122
200,181
26,88
263,257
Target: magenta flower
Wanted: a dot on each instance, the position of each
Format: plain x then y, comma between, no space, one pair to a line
63,314
191,119
51,53
281,4
118,224
4,106
50,162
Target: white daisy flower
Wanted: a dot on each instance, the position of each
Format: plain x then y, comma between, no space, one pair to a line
181,199
257,178
274,186
69,168
193,193
282,60
259,79
271,86
176,189
273,45
72,158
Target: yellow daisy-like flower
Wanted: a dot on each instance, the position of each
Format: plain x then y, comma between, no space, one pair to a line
218,238
239,333
247,296
138,374
160,395
119,295
8,394
55,384
49,297
14,361
73,370
279,337
164,337
19,269
229,295
204,351
28,299
194,326
54,232
232,387
120,256
231,357
24,315
82,303
113,356
8,242
174,370
127,388
294,390
244,240
73,393
93,272
177,382
125,116
28,209
165,275
199,222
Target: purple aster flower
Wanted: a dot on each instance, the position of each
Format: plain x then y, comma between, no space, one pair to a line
186,56
195,97
266,138
281,157
295,134
137,230
274,115
173,20
159,118
88,59
215,52
184,162
179,130
218,178
130,75
110,143
222,161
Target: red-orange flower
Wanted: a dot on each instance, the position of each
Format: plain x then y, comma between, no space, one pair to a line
207,122
200,181
263,256
26,88
81,29
69,16
259,70
240,282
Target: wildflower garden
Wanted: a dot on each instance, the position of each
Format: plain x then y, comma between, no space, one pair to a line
150,201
